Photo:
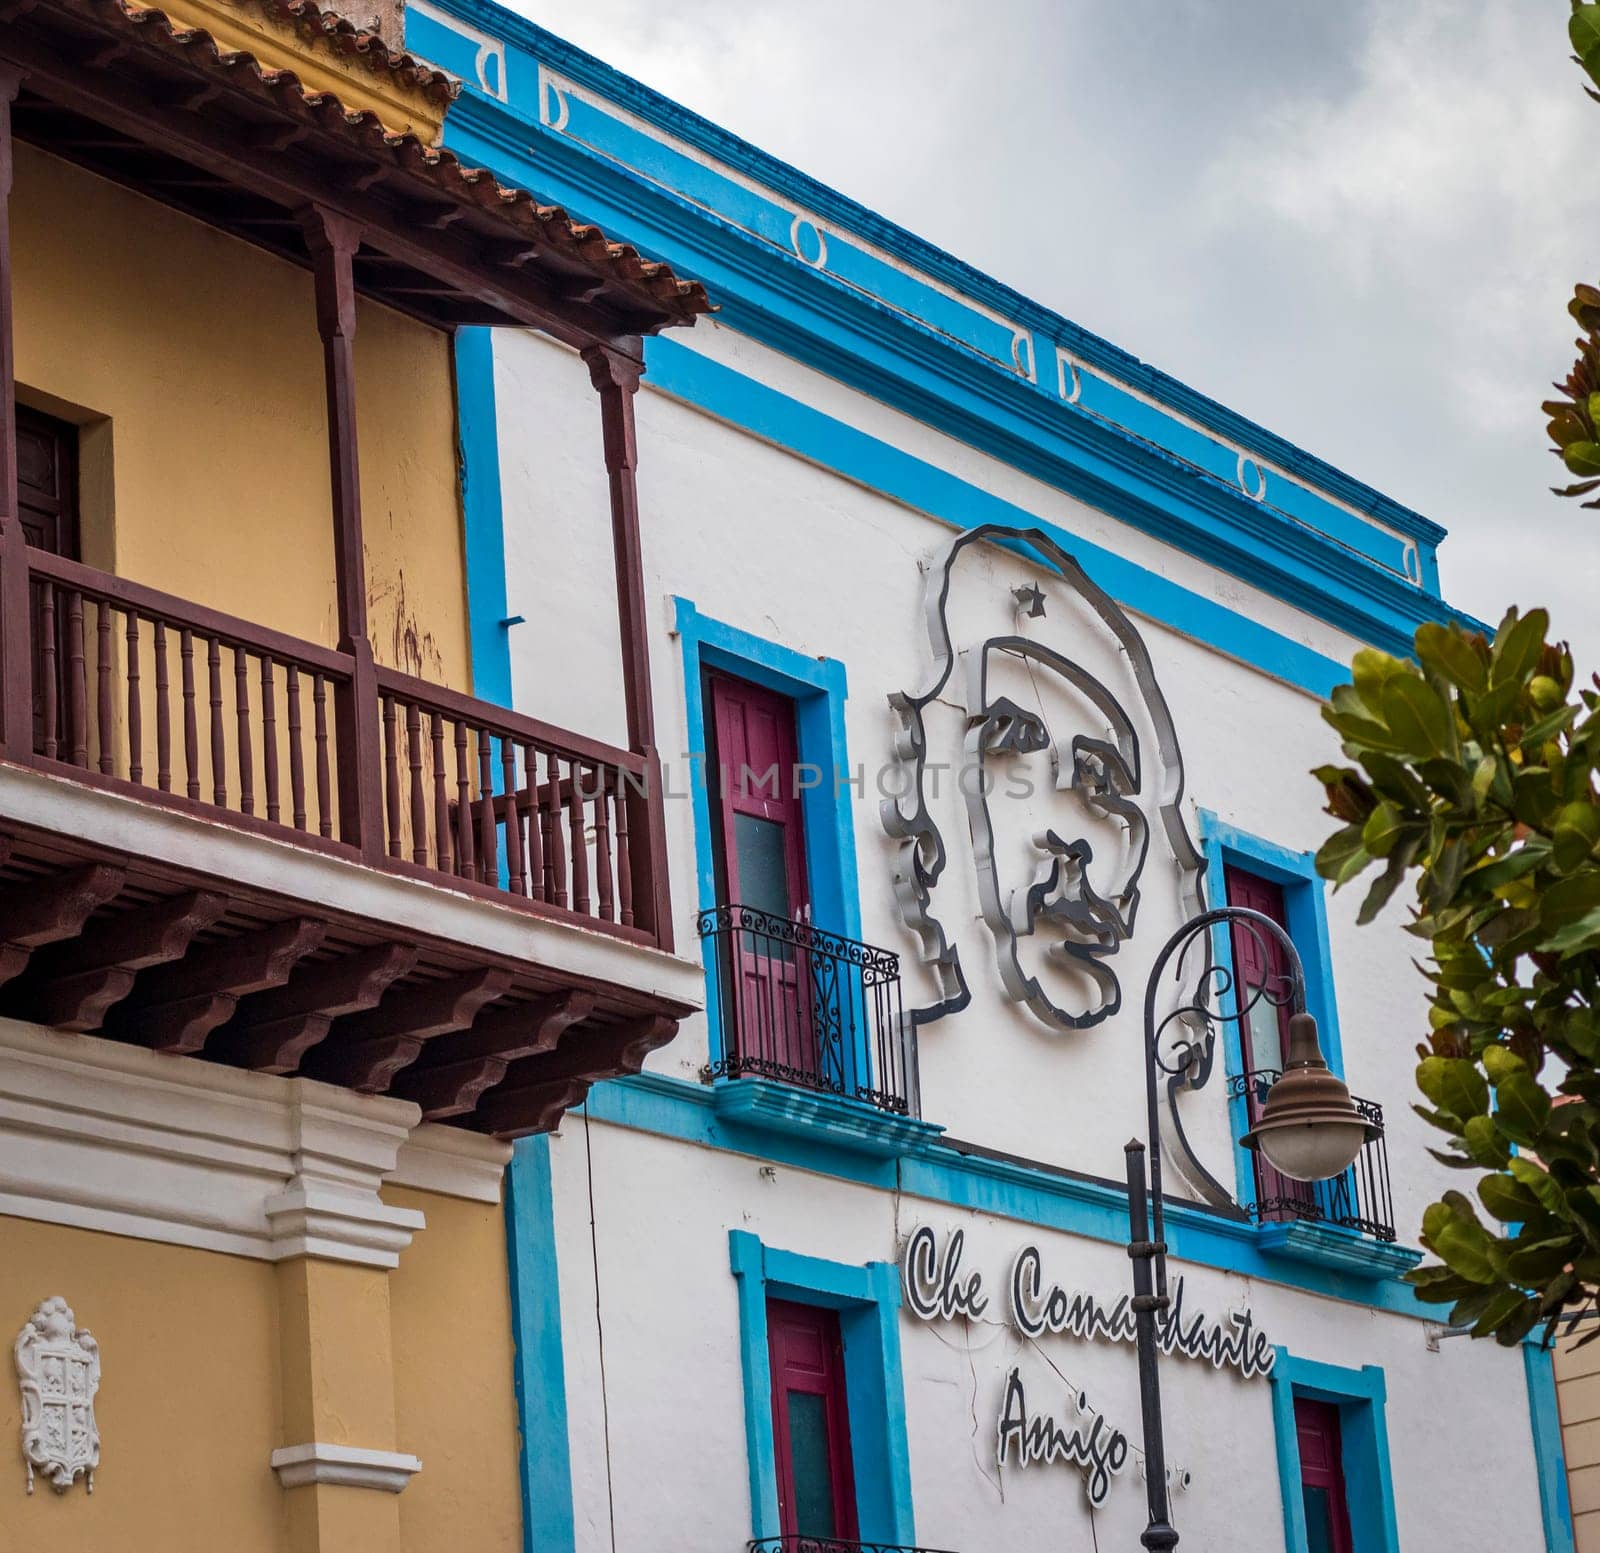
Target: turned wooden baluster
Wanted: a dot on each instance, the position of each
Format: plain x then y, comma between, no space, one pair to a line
297,754
419,797
555,850
103,713
488,851
48,670
508,773
391,776
77,681
241,710
163,711
463,805
443,852
135,705
602,843
535,822
219,750
191,732
580,847
624,862
269,738
319,717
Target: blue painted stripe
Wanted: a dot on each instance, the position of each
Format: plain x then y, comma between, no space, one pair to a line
901,362
526,45
545,1460
1550,1457
796,427
1027,1193
478,435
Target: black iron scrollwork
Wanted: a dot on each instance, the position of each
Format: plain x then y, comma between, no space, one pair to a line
809,1008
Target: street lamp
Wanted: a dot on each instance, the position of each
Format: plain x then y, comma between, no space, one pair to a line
1309,1129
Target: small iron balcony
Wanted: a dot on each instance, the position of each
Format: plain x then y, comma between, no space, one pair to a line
1358,1199
809,1008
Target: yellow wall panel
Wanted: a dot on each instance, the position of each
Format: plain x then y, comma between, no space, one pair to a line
188,1403
195,359
450,1302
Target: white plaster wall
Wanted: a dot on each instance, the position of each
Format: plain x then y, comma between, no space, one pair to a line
793,553
677,1479
797,555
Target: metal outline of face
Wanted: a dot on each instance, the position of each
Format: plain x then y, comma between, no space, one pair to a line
922,855
1107,776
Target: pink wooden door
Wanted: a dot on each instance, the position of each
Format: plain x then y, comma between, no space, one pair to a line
810,1423
1260,961
763,855
1322,1477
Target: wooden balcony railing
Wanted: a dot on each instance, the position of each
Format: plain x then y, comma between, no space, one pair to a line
139,690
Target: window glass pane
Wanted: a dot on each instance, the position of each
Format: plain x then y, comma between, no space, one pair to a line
1266,1036
1319,1520
813,1473
763,882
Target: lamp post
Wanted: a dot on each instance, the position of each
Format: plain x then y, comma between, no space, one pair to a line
1309,1129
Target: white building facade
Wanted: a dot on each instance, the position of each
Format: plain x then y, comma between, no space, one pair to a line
1034,639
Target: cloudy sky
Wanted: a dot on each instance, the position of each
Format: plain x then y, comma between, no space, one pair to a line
1358,223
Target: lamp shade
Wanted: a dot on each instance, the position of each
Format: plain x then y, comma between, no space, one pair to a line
1310,1128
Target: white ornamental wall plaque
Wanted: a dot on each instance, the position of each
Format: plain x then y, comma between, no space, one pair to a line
58,1371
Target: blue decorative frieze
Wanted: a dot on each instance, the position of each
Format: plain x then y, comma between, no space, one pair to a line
818,277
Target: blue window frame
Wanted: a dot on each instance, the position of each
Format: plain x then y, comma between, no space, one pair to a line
818,689
1305,904
867,1299
1359,1396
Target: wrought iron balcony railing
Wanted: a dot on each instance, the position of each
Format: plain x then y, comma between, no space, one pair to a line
803,1544
1358,1199
809,1008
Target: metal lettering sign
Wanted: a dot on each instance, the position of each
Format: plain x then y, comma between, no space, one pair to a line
938,1287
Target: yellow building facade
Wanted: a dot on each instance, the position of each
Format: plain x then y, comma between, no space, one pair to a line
295,935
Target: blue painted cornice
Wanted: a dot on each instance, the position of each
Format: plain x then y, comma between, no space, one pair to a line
1324,562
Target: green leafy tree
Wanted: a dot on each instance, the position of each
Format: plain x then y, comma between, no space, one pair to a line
1474,776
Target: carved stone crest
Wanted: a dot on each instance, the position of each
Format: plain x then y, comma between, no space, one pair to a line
58,1371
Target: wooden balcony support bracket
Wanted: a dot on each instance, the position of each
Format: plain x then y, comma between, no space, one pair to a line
332,241
615,374
174,1008
73,987
456,1071
16,654
45,911
273,1031
538,1089
367,1050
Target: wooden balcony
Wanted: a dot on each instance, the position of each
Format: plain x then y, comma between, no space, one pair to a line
221,841
181,938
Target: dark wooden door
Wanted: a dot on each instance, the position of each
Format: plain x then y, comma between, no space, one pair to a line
47,503
763,857
1261,965
1322,1477
810,1423
47,482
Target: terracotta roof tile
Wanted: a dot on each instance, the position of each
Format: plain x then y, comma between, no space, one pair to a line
651,283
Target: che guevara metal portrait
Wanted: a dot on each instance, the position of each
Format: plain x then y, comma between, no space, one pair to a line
1074,908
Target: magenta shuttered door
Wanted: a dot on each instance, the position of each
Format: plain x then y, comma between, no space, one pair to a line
1260,961
1322,1477
762,838
810,1422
